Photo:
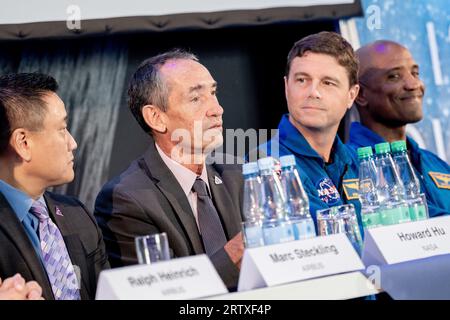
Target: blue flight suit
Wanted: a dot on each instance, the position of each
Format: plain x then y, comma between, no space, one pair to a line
327,185
433,173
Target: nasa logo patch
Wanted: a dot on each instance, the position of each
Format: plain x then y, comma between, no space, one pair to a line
327,191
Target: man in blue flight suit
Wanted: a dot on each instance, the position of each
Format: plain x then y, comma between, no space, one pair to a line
391,97
321,84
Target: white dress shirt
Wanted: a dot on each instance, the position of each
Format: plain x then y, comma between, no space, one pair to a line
186,179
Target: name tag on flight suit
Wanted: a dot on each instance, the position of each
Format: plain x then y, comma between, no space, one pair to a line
351,188
442,180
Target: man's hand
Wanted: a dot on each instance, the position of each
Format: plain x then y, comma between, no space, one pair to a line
235,249
34,291
15,288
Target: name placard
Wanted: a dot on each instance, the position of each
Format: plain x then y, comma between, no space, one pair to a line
407,241
183,278
297,260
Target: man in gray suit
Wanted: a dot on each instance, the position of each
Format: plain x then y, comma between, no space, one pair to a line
171,188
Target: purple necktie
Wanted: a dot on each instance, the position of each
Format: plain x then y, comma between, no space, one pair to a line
56,259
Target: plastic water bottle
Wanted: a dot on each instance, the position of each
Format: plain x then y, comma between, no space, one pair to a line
276,228
367,192
296,200
393,207
252,206
417,205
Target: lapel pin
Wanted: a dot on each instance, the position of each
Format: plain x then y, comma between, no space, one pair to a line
58,212
217,180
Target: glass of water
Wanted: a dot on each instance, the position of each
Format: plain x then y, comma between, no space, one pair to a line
340,219
325,222
152,248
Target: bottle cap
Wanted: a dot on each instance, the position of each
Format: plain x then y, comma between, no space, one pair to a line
381,148
265,163
287,161
364,152
398,146
249,168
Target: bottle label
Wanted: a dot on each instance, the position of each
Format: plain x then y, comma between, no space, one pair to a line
253,237
371,220
395,215
303,229
417,212
278,234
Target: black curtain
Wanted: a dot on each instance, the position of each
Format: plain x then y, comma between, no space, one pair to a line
91,75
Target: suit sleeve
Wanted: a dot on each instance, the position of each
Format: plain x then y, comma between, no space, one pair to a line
121,219
98,256
226,269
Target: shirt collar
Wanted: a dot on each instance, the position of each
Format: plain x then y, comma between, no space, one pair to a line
362,136
18,200
292,138
412,145
414,151
184,176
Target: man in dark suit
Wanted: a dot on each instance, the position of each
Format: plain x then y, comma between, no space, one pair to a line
48,238
171,188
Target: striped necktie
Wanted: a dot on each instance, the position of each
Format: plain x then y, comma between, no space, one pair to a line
55,257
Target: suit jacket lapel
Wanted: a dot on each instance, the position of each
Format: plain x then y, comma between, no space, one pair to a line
12,226
169,186
223,202
73,243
